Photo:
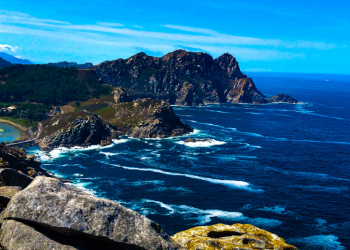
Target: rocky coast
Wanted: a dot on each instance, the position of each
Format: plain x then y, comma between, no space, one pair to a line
40,211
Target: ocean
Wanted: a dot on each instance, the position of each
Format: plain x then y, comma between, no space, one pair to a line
8,132
281,167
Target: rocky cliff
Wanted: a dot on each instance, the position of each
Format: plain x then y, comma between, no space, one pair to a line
282,98
80,128
181,77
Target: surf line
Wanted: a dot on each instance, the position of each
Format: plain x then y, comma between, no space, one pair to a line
229,183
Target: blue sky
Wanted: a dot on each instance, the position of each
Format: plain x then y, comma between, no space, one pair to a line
278,36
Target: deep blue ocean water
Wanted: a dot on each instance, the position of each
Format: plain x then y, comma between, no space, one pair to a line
281,167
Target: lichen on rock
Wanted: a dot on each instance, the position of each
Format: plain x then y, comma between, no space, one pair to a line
226,237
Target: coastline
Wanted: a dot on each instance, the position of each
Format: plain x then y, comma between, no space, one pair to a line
14,124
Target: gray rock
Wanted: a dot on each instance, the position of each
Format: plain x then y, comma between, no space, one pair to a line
68,210
16,235
10,177
283,98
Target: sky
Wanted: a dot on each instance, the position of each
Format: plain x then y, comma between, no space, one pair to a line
264,35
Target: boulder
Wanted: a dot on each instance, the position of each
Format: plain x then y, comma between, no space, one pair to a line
64,209
10,177
282,98
226,237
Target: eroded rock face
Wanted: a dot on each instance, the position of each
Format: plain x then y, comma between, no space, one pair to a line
225,237
182,78
6,194
120,95
64,209
19,160
282,98
147,118
76,129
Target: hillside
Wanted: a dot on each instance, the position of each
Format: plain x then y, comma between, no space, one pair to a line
4,63
182,78
70,65
13,59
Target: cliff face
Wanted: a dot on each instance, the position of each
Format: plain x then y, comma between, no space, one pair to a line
147,118
181,77
75,129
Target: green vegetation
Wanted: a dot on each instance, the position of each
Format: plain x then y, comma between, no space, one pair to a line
25,111
22,122
47,85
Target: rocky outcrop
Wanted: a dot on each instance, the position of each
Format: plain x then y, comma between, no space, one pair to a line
120,95
50,213
18,160
75,129
4,63
182,78
147,118
6,194
283,98
225,237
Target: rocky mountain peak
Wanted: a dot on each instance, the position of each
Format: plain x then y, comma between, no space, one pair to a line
229,64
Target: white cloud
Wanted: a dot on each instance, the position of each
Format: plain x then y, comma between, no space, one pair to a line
111,24
6,47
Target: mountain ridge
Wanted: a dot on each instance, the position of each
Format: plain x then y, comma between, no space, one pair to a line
181,77
14,60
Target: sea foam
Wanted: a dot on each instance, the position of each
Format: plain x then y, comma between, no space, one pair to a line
230,183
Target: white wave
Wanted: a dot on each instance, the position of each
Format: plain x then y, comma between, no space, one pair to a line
207,143
253,113
217,111
203,216
264,222
319,242
277,209
119,141
83,186
180,190
78,175
143,183
309,112
230,183
195,132
317,188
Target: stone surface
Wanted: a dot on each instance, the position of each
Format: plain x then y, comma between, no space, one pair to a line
282,98
80,128
10,177
147,118
49,203
182,78
120,95
226,237
6,194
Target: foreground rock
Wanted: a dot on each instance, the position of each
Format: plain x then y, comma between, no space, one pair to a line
75,129
225,237
18,160
283,98
147,118
10,177
49,209
182,78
